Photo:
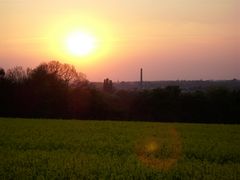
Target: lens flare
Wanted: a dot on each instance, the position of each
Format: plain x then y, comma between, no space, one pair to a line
148,151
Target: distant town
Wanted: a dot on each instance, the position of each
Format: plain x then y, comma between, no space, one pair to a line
185,85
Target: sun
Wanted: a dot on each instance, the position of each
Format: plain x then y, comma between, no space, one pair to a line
80,43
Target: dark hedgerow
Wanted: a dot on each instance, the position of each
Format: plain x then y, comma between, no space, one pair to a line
55,90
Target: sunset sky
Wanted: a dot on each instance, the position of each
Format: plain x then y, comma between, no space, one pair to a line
169,39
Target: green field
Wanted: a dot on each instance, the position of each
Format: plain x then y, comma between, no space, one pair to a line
68,149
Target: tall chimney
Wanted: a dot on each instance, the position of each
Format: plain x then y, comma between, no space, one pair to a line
141,77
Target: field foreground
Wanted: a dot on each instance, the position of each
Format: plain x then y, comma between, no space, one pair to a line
68,149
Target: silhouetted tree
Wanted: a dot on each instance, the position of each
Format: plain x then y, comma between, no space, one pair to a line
16,75
2,73
65,72
48,93
79,101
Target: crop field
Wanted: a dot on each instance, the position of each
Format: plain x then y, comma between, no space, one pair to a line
71,149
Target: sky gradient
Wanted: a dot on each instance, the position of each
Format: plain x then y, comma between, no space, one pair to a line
170,40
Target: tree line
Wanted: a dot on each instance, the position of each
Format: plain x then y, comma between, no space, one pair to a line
56,90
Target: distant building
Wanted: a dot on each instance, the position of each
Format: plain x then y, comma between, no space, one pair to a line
107,85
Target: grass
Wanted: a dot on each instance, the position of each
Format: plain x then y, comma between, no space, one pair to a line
68,149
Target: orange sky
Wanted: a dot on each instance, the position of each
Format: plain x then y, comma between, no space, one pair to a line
174,39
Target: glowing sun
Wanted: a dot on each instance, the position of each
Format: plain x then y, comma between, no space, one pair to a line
80,43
